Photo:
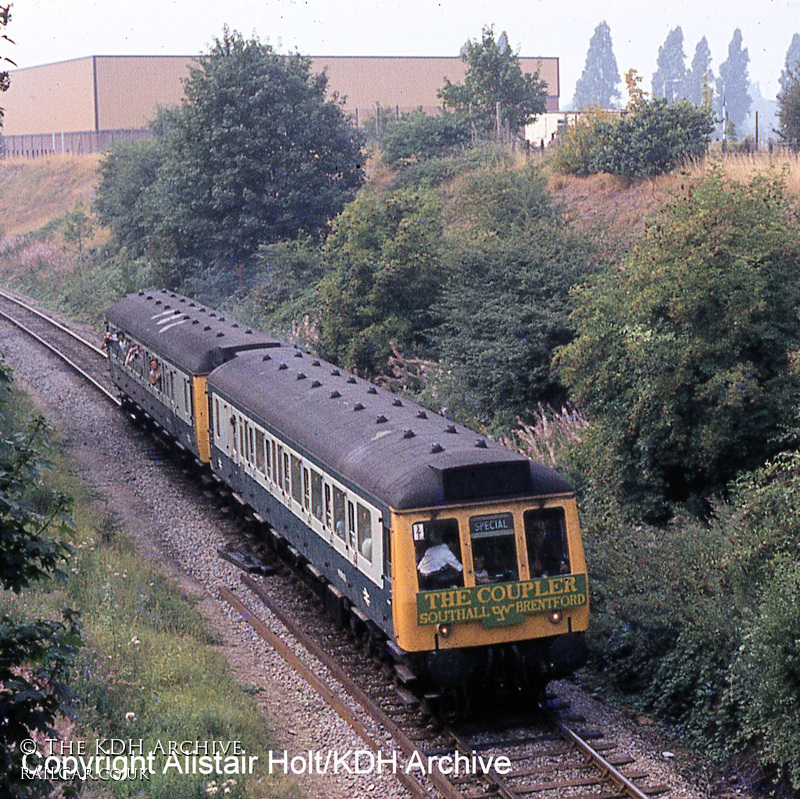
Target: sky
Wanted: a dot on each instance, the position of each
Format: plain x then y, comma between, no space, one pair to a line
46,31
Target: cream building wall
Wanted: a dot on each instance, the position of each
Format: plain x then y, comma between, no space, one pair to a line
99,93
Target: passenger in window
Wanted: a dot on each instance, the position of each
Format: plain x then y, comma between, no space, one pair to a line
110,344
155,374
133,355
366,548
481,572
551,553
439,567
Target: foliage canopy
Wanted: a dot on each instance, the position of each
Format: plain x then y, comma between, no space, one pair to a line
504,308
670,76
685,355
733,82
384,274
255,154
652,138
494,75
597,85
789,110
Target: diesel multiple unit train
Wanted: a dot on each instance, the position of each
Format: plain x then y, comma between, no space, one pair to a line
460,558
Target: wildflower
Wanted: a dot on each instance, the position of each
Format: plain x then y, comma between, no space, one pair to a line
130,716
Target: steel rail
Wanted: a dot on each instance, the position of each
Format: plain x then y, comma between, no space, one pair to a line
597,759
317,684
6,295
407,746
63,356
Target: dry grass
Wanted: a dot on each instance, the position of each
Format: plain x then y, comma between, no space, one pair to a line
35,192
614,208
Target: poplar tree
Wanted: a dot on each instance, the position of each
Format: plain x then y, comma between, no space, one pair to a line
733,82
670,77
700,75
791,64
597,85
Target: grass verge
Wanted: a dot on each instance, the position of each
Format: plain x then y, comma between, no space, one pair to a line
149,669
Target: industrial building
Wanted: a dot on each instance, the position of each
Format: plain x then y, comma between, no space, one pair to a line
85,104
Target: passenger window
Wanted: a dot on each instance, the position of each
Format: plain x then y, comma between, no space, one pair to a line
437,547
546,536
268,451
297,478
276,464
364,520
154,377
216,416
233,435
494,548
338,512
316,494
260,463
287,479
252,444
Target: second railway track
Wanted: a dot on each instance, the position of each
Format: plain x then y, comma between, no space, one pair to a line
82,355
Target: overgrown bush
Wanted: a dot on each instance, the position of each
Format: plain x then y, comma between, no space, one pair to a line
684,355
512,262
652,138
419,136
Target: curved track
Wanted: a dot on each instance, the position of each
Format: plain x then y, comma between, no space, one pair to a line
545,756
81,355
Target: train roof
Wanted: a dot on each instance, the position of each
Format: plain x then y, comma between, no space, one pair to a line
190,335
391,448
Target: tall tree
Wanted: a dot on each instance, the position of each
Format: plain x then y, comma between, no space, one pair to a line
494,75
789,111
597,85
699,78
670,77
255,154
792,62
733,82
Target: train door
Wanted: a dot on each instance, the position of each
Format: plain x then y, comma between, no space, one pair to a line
351,531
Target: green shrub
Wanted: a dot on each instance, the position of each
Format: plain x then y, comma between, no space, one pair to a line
419,136
652,138
684,354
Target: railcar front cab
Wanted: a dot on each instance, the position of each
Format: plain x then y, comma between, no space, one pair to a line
480,583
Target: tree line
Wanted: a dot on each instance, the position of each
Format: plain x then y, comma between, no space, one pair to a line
727,93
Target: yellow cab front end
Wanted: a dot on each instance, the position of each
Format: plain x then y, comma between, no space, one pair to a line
482,583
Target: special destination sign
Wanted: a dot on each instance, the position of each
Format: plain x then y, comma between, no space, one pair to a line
502,603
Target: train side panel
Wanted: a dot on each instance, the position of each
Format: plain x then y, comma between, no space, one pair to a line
331,525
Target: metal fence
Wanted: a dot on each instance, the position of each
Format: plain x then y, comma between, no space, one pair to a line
37,145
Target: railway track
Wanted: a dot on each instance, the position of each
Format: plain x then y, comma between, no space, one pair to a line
81,355
538,754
